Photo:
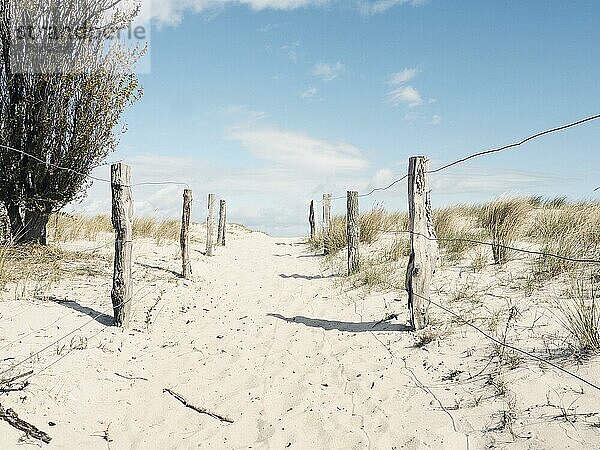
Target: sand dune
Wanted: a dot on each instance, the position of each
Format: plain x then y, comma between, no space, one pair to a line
265,336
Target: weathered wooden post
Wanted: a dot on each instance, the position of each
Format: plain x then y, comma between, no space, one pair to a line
423,244
222,223
326,222
185,234
122,221
210,225
353,232
311,220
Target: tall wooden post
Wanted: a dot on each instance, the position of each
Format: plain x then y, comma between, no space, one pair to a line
423,245
122,221
185,234
353,232
222,223
326,222
210,225
311,220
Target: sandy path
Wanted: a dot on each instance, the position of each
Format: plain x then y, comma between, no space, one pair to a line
261,336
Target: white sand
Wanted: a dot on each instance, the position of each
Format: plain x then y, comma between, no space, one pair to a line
330,379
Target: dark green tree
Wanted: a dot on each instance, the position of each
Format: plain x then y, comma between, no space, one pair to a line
64,86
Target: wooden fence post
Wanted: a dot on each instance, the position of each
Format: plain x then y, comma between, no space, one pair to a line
222,223
326,222
423,245
185,234
311,220
122,221
353,232
210,225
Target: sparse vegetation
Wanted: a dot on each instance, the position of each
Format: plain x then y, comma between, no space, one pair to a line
571,231
579,314
503,219
64,228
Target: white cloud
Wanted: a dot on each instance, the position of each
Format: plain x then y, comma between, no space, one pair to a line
327,71
402,93
498,181
291,50
370,7
436,120
407,95
296,150
403,76
171,12
309,92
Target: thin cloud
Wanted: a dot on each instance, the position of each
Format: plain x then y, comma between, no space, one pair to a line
405,95
380,6
403,76
310,92
298,150
327,71
171,12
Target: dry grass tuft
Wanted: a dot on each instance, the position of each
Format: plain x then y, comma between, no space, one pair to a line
65,227
455,226
571,231
579,314
503,220
372,225
34,268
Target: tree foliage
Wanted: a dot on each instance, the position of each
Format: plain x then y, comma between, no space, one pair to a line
63,89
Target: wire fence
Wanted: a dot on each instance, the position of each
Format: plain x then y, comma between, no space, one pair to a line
135,299
573,259
137,296
484,153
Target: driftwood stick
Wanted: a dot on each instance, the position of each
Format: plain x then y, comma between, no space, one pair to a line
195,408
18,377
12,419
127,377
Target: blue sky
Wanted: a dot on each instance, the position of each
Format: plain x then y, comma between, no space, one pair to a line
271,103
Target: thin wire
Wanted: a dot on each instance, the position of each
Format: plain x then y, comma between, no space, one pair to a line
93,318
503,344
517,144
158,183
72,349
486,152
103,180
473,241
385,188
512,347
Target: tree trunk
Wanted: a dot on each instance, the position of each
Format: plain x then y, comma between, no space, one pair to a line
27,227
34,231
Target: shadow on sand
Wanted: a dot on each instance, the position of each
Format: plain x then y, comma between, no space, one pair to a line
297,276
351,327
99,317
148,266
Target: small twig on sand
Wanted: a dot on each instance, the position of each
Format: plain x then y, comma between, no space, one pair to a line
131,378
13,379
13,419
195,408
386,319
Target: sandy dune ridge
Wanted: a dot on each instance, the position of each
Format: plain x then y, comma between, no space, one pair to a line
266,336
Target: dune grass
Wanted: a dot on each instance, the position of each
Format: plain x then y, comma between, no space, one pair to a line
34,268
65,227
455,227
579,314
372,225
573,230
503,219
